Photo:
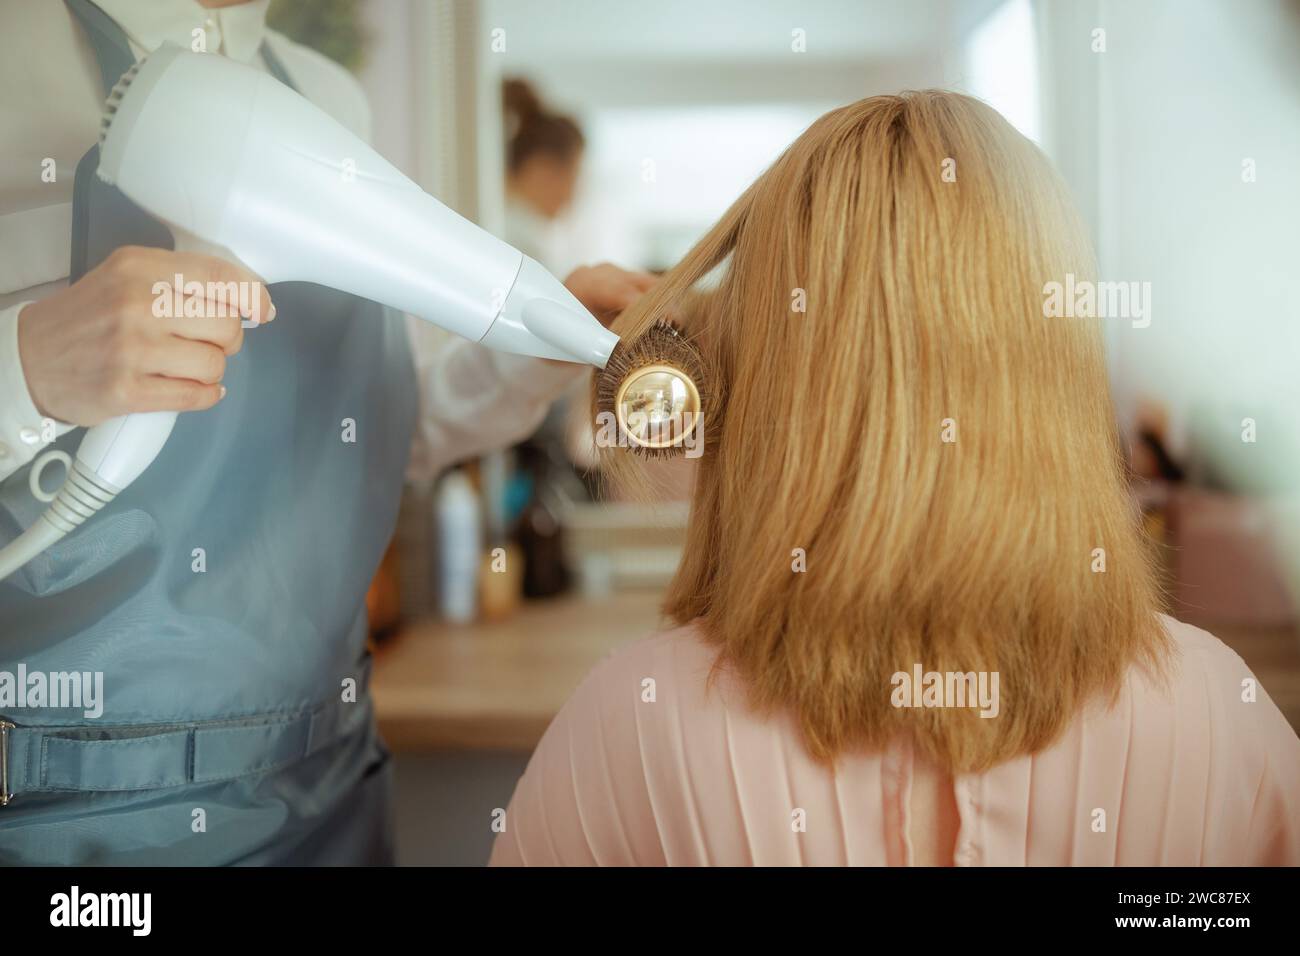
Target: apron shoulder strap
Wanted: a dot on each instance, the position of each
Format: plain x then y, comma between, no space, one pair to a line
90,197
112,49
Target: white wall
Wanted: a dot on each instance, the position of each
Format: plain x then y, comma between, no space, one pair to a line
1187,90
423,76
1152,134
685,103
388,76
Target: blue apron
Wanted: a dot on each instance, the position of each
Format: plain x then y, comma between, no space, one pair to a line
221,596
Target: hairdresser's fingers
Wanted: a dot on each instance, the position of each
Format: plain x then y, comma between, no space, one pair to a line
181,358
157,393
607,290
627,289
642,281
163,393
225,332
228,288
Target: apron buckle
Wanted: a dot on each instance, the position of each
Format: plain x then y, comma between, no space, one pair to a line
5,795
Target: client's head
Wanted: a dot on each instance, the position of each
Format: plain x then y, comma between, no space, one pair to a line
905,462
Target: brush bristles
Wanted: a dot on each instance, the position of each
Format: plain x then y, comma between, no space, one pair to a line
659,345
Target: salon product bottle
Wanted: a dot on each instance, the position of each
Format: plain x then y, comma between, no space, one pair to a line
541,537
500,577
459,514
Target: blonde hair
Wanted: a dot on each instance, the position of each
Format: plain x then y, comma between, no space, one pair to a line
919,231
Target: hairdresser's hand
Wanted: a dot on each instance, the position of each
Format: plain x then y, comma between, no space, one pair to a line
606,290
96,349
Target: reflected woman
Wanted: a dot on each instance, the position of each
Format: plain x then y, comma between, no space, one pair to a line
543,160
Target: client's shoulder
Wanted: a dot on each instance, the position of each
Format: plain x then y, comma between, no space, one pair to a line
679,662
605,784
667,680
677,647
1188,637
1201,686
1196,654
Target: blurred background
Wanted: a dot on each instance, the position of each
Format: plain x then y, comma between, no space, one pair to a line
590,130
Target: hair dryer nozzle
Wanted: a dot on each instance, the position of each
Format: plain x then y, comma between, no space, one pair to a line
541,317
570,331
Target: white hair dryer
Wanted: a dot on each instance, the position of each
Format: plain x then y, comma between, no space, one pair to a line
239,165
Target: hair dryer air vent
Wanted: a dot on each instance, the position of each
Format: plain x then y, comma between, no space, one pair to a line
114,100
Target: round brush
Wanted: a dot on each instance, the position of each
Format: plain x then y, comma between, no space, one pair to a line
653,386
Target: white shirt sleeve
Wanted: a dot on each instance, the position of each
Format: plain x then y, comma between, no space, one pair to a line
474,399
23,430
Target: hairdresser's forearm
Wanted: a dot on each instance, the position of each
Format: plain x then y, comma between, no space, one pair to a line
474,400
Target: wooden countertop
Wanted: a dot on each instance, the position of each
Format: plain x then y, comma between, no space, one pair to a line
498,685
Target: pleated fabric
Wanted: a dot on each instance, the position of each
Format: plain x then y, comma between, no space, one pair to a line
650,764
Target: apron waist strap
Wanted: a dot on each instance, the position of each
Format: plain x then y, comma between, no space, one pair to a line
81,758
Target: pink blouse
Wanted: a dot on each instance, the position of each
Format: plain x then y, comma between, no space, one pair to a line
1188,775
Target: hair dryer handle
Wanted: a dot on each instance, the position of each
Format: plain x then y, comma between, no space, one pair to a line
118,450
